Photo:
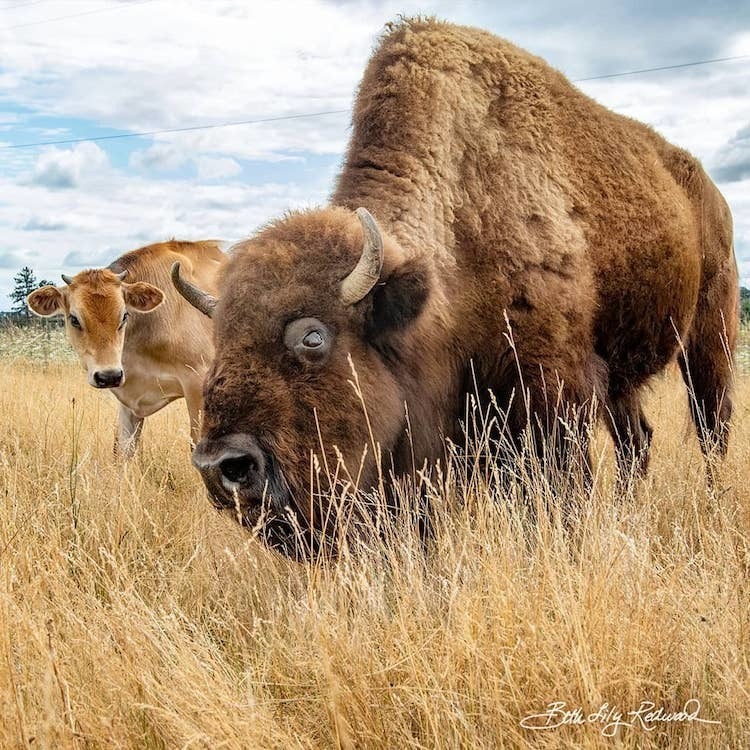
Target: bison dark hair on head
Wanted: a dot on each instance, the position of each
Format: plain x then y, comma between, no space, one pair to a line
400,300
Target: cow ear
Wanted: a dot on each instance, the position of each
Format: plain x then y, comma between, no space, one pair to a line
141,296
46,301
398,299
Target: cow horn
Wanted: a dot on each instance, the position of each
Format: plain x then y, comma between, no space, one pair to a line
196,297
366,273
122,275
67,279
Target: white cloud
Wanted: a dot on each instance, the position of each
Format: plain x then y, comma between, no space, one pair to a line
740,44
11,260
732,161
45,224
65,168
170,64
738,195
168,156
216,169
59,231
697,108
200,63
159,157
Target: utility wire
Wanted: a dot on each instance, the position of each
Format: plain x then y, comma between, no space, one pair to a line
119,6
663,67
147,133
22,5
214,126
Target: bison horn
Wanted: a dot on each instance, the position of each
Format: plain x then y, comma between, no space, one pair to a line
67,279
367,271
196,297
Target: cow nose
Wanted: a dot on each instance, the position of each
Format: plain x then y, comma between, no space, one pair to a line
230,465
111,378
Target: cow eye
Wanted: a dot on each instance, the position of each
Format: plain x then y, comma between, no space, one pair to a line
313,339
74,321
124,319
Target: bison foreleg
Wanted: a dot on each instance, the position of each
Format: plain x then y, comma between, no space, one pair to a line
631,434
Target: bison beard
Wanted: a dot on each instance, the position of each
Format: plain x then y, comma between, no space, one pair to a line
526,242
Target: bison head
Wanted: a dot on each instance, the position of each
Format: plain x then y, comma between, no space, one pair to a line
309,332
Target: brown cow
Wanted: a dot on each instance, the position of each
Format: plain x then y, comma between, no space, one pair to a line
146,360
499,190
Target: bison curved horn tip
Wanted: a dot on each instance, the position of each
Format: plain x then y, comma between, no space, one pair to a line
367,271
199,299
66,279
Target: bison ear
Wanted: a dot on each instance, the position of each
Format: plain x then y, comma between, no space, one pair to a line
141,296
398,299
46,301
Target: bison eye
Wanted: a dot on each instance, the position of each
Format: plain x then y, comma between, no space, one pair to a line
309,340
313,340
74,321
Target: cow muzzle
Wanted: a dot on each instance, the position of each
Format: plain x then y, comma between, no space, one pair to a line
111,377
235,470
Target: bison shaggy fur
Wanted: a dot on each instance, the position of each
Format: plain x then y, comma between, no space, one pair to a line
536,246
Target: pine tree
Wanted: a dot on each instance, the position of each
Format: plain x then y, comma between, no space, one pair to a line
24,283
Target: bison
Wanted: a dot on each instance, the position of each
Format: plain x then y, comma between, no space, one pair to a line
493,230
146,361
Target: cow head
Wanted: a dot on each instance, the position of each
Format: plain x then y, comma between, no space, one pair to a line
96,305
314,315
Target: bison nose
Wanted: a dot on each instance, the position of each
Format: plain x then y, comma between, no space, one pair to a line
232,465
111,378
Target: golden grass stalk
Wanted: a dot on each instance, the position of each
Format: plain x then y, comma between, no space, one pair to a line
134,615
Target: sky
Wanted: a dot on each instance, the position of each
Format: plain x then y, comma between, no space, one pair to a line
73,69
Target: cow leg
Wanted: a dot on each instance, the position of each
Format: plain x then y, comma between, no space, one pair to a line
194,400
631,433
129,428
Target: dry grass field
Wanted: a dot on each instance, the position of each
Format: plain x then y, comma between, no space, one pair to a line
132,615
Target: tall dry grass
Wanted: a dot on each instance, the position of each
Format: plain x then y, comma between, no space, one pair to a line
133,615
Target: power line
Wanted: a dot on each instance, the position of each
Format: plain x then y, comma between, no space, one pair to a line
214,126
663,67
119,6
147,133
23,5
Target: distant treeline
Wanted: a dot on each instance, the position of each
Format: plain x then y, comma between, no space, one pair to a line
25,282
19,320
745,304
